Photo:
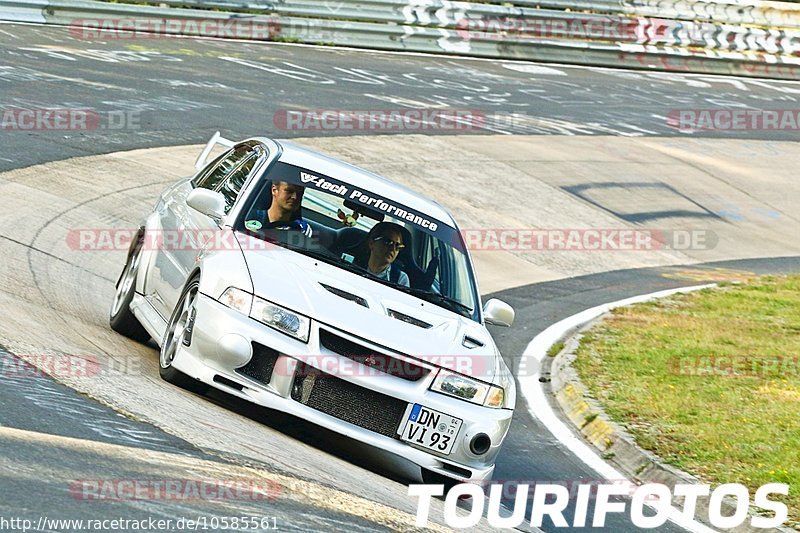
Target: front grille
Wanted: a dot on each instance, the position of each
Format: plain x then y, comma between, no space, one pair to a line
261,365
369,357
346,401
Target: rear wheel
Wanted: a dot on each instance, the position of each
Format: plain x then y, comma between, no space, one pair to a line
179,335
121,318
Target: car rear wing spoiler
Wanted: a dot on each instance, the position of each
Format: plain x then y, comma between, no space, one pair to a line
212,142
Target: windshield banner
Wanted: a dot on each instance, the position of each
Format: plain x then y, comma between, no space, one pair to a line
366,200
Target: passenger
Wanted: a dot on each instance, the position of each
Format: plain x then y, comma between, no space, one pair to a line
284,211
385,240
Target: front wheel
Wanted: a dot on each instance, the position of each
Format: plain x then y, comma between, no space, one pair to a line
121,318
178,335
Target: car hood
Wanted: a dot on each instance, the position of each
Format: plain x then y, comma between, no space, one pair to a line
298,282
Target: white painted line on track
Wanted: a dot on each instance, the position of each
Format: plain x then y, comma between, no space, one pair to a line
539,407
50,37
637,128
533,69
478,124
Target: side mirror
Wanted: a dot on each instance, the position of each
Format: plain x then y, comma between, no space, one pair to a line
498,313
209,203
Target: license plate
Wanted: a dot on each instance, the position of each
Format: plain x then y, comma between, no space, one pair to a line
430,429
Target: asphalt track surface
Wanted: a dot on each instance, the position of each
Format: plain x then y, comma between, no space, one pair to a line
178,90
46,477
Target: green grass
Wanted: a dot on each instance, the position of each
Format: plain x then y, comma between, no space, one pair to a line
555,349
652,367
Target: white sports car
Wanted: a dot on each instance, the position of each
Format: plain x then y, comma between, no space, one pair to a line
305,284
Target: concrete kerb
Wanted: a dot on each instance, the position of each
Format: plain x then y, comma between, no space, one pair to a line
539,401
610,439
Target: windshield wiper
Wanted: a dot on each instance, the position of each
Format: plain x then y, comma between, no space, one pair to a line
433,297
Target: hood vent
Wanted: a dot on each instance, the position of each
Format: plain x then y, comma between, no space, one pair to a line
471,342
408,319
346,295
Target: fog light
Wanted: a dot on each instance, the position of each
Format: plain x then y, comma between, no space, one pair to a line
480,444
233,350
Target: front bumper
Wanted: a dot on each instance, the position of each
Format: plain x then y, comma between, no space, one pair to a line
224,342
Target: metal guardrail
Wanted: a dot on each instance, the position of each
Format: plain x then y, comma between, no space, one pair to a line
764,14
476,20
754,12
624,38
23,10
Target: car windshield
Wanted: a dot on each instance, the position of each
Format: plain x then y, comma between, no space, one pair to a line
363,233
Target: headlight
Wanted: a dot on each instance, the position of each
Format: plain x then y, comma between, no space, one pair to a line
280,318
237,299
468,389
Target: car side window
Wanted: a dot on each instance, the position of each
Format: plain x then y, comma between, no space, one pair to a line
235,180
208,169
219,171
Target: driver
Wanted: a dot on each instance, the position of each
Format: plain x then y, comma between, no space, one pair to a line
284,212
385,240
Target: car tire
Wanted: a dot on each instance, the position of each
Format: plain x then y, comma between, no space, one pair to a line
178,331
121,318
